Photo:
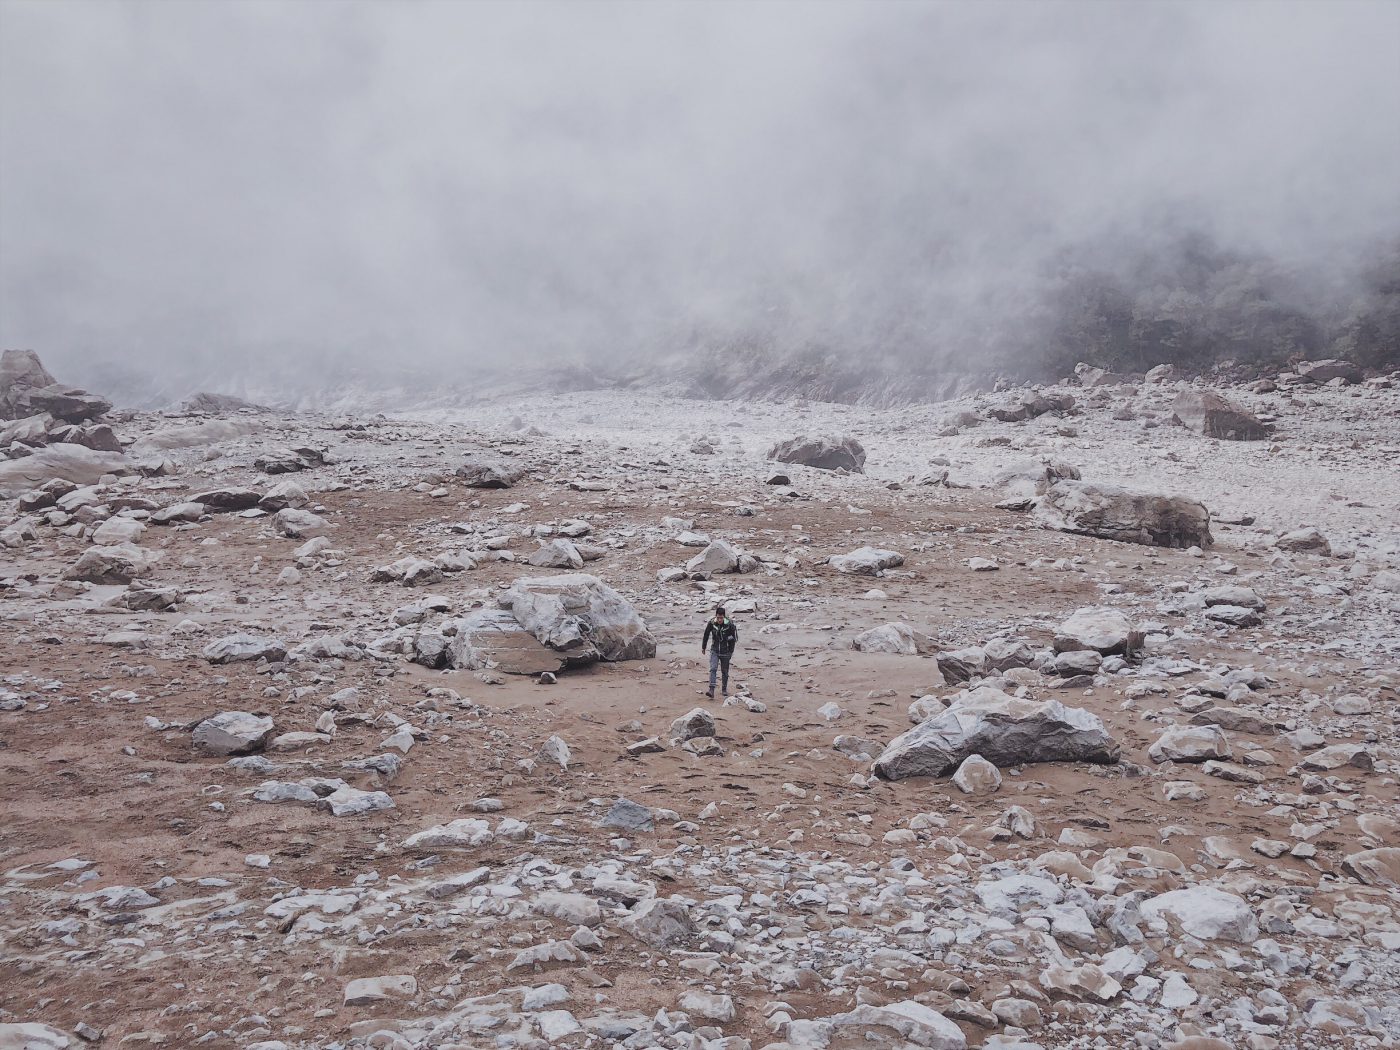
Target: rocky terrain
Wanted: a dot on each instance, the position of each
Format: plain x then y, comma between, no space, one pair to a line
1061,718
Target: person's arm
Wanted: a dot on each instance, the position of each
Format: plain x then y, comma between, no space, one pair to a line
705,641
736,636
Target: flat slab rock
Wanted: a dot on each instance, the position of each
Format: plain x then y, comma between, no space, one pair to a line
494,638
1004,730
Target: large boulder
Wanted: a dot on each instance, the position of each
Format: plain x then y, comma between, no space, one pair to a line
1327,370
213,404
119,563
1005,730
489,472
243,648
897,639
823,451
1210,415
75,463
865,561
63,402
1029,404
581,617
557,554
1375,867
720,556
232,733
1114,513
1203,912
227,499
1105,631
20,372
494,638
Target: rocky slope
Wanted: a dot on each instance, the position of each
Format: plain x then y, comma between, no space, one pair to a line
271,781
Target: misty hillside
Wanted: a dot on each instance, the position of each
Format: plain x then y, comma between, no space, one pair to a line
841,201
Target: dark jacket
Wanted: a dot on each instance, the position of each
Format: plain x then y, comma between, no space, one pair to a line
725,635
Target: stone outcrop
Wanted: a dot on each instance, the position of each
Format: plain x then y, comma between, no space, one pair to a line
581,617
823,451
1210,415
1114,513
1004,730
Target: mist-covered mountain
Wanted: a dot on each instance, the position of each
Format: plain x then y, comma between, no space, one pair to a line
294,202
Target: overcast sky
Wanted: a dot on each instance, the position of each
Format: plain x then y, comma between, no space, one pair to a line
465,182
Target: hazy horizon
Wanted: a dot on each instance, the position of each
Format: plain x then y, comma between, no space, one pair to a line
217,188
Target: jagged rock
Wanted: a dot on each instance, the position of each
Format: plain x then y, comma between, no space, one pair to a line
1204,912
1339,756
177,512
464,833
1029,404
1235,719
121,563
352,802
629,816
977,776
1105,631
1113,513
151,599
1233,594
895,638
1306,541
1191,744
32,1035
232,733
1326,370
369,991
494,638
20,372
718,557
1032,477
1210,415
1002,729
661,922
695,723
241,648
227,499
865,561
557,554
63,402
290,460
75,463
487,472
30,430
917,1024
100,438
409,571
117,530
1233,615
299,523
283,495
1375,867
823,451
581,617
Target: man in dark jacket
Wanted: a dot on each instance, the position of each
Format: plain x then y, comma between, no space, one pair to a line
725,636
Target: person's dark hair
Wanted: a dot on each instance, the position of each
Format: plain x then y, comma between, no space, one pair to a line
719,610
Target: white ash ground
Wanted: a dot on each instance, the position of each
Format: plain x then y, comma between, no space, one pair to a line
799,901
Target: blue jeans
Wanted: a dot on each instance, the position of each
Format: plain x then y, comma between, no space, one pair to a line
719,662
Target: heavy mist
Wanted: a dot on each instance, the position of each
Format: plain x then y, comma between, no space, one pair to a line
281,197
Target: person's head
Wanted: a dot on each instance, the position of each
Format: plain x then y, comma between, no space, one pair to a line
719,614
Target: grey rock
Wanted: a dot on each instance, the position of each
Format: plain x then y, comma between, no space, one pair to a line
241,648
580,617
232,733
1114,513
629,816
1210,415
823,451
1002,729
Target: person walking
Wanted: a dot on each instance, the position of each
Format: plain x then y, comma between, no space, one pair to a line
721,636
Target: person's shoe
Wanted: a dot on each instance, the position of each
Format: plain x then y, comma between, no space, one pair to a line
710,695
